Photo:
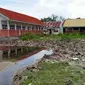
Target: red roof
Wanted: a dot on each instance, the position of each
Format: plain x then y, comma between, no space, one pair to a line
53,24
20,17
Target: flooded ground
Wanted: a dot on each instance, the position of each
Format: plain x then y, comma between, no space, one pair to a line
7,75
12,53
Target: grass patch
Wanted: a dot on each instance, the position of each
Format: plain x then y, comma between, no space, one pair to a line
31,36
59,73
72,36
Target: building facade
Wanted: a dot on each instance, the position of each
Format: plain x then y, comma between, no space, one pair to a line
54,27
74,26
16,24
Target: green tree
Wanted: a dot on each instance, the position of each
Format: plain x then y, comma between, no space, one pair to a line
53,18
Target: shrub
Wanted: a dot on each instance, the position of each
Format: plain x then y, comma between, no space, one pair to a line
29,36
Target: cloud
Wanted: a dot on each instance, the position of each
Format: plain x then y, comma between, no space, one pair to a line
76,8
44,8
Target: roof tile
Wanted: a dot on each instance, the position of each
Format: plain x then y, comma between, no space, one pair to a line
20,17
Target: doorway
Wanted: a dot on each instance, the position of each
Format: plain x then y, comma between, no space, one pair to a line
50,31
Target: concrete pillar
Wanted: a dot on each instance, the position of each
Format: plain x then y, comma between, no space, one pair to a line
16,51
31,27
38,28
21,49
9,53
1,55
42,28
0,25
61,27
72,30
21,27
35,28
26,28
27,48
20,33
8,26
79,29
15,26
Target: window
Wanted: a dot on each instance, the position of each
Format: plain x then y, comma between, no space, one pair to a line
40,28
4,26
28,28
55,29
18,27
37,27
23,27
33,27
12,27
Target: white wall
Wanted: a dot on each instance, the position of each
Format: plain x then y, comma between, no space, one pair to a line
56,32
61,27
2,18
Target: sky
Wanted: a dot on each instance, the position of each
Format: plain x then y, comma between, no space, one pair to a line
45,8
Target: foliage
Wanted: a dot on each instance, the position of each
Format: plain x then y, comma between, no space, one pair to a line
58,73
52,36
53,18
72,36
29,36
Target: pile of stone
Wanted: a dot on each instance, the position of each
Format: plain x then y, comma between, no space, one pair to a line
63,49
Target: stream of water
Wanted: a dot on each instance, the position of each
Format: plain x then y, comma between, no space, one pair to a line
6,76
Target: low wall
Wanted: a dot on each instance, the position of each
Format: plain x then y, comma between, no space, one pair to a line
15,33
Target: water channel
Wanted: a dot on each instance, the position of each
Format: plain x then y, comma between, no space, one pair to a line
7,75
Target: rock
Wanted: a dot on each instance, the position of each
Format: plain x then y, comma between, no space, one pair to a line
69,82
63,50
83,60
75,59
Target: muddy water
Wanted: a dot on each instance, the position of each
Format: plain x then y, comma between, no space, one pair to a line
6,76
11,53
